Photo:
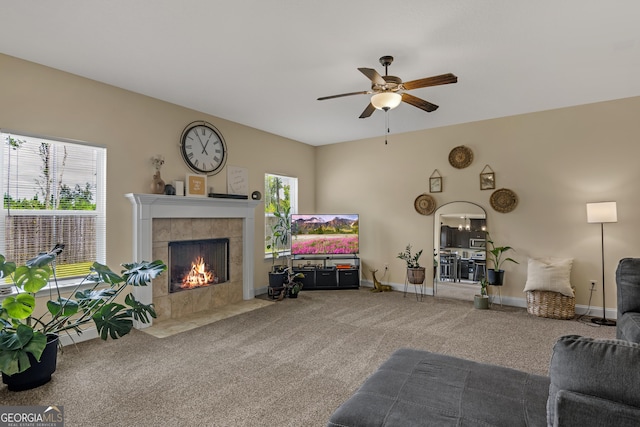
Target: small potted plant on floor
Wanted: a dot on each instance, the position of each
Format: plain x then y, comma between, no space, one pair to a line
28,341
292,286
495,275
482,301
415,273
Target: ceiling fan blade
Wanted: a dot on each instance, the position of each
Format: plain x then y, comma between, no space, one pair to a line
442,79
368,111
420,103
364,92
373,76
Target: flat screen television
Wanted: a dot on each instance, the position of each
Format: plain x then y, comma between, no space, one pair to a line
322,234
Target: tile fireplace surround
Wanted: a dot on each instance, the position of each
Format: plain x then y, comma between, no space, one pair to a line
158,219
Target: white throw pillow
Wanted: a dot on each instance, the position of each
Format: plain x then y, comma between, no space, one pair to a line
549,274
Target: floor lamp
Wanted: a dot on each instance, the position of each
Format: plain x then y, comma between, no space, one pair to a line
600,213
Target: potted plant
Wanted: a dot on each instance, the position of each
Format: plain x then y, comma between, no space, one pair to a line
24,335
291,286
415,273
482,301
278,240
495,275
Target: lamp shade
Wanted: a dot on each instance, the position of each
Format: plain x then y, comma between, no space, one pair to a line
386,100
602,212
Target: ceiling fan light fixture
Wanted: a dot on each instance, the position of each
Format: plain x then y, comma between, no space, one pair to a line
386,100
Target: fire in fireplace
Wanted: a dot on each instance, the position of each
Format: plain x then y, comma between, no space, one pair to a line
197,263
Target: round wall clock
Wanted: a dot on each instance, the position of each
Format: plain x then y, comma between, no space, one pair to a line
203,148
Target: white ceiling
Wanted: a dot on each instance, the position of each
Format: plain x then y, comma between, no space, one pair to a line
264,63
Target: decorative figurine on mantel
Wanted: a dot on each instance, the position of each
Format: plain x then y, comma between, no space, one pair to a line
157,185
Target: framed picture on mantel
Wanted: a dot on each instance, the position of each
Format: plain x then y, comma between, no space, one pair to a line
196,185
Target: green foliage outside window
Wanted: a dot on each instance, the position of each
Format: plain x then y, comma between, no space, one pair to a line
277,195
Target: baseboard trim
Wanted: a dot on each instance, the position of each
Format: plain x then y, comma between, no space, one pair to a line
612,313
73,338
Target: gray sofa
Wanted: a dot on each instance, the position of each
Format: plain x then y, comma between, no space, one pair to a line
591,383
628,287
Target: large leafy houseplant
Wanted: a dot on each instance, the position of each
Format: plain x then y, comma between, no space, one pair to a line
22,332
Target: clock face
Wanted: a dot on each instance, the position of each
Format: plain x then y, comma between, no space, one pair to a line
203,148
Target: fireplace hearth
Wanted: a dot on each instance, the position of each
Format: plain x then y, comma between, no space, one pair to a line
198,263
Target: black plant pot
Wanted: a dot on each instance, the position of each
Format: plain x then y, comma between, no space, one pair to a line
39,373
276,280
276,284
495,278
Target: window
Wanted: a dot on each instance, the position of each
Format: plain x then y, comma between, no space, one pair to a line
54,192
280,201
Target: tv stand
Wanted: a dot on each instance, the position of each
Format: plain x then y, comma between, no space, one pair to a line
328,271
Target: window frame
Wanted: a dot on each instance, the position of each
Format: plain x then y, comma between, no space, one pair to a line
268,216
100,201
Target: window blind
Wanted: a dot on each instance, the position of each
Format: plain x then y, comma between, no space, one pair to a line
54,192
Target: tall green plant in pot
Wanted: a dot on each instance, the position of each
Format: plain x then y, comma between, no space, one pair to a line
415,273
277,241
24,335
495,275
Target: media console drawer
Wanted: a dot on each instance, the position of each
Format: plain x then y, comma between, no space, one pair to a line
326,278
309,280
348,277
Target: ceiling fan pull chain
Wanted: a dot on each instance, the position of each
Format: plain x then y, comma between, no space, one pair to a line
386,125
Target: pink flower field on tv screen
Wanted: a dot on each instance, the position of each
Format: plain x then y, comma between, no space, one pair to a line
326,245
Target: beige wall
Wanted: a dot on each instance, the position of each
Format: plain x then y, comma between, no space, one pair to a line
556,161
133,127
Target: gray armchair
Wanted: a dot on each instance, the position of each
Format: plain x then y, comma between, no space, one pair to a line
628,286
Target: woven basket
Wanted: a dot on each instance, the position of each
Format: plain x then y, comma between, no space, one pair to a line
549,304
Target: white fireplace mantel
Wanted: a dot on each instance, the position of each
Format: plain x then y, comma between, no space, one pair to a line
146,207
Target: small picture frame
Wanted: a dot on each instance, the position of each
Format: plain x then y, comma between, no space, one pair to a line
435,182
195,185
487,179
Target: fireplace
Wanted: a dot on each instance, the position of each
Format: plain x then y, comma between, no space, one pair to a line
160,219
198,263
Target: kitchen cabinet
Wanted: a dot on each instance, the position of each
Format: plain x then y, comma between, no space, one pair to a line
462,238
451,237
478,224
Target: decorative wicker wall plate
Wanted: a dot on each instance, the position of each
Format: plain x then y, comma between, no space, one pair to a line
425,204
460,157
503,200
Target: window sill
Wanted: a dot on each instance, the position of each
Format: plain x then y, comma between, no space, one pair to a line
48,291
270,256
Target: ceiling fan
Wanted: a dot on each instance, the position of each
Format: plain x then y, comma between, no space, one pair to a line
389,91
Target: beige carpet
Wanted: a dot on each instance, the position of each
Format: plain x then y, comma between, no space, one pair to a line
290,363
